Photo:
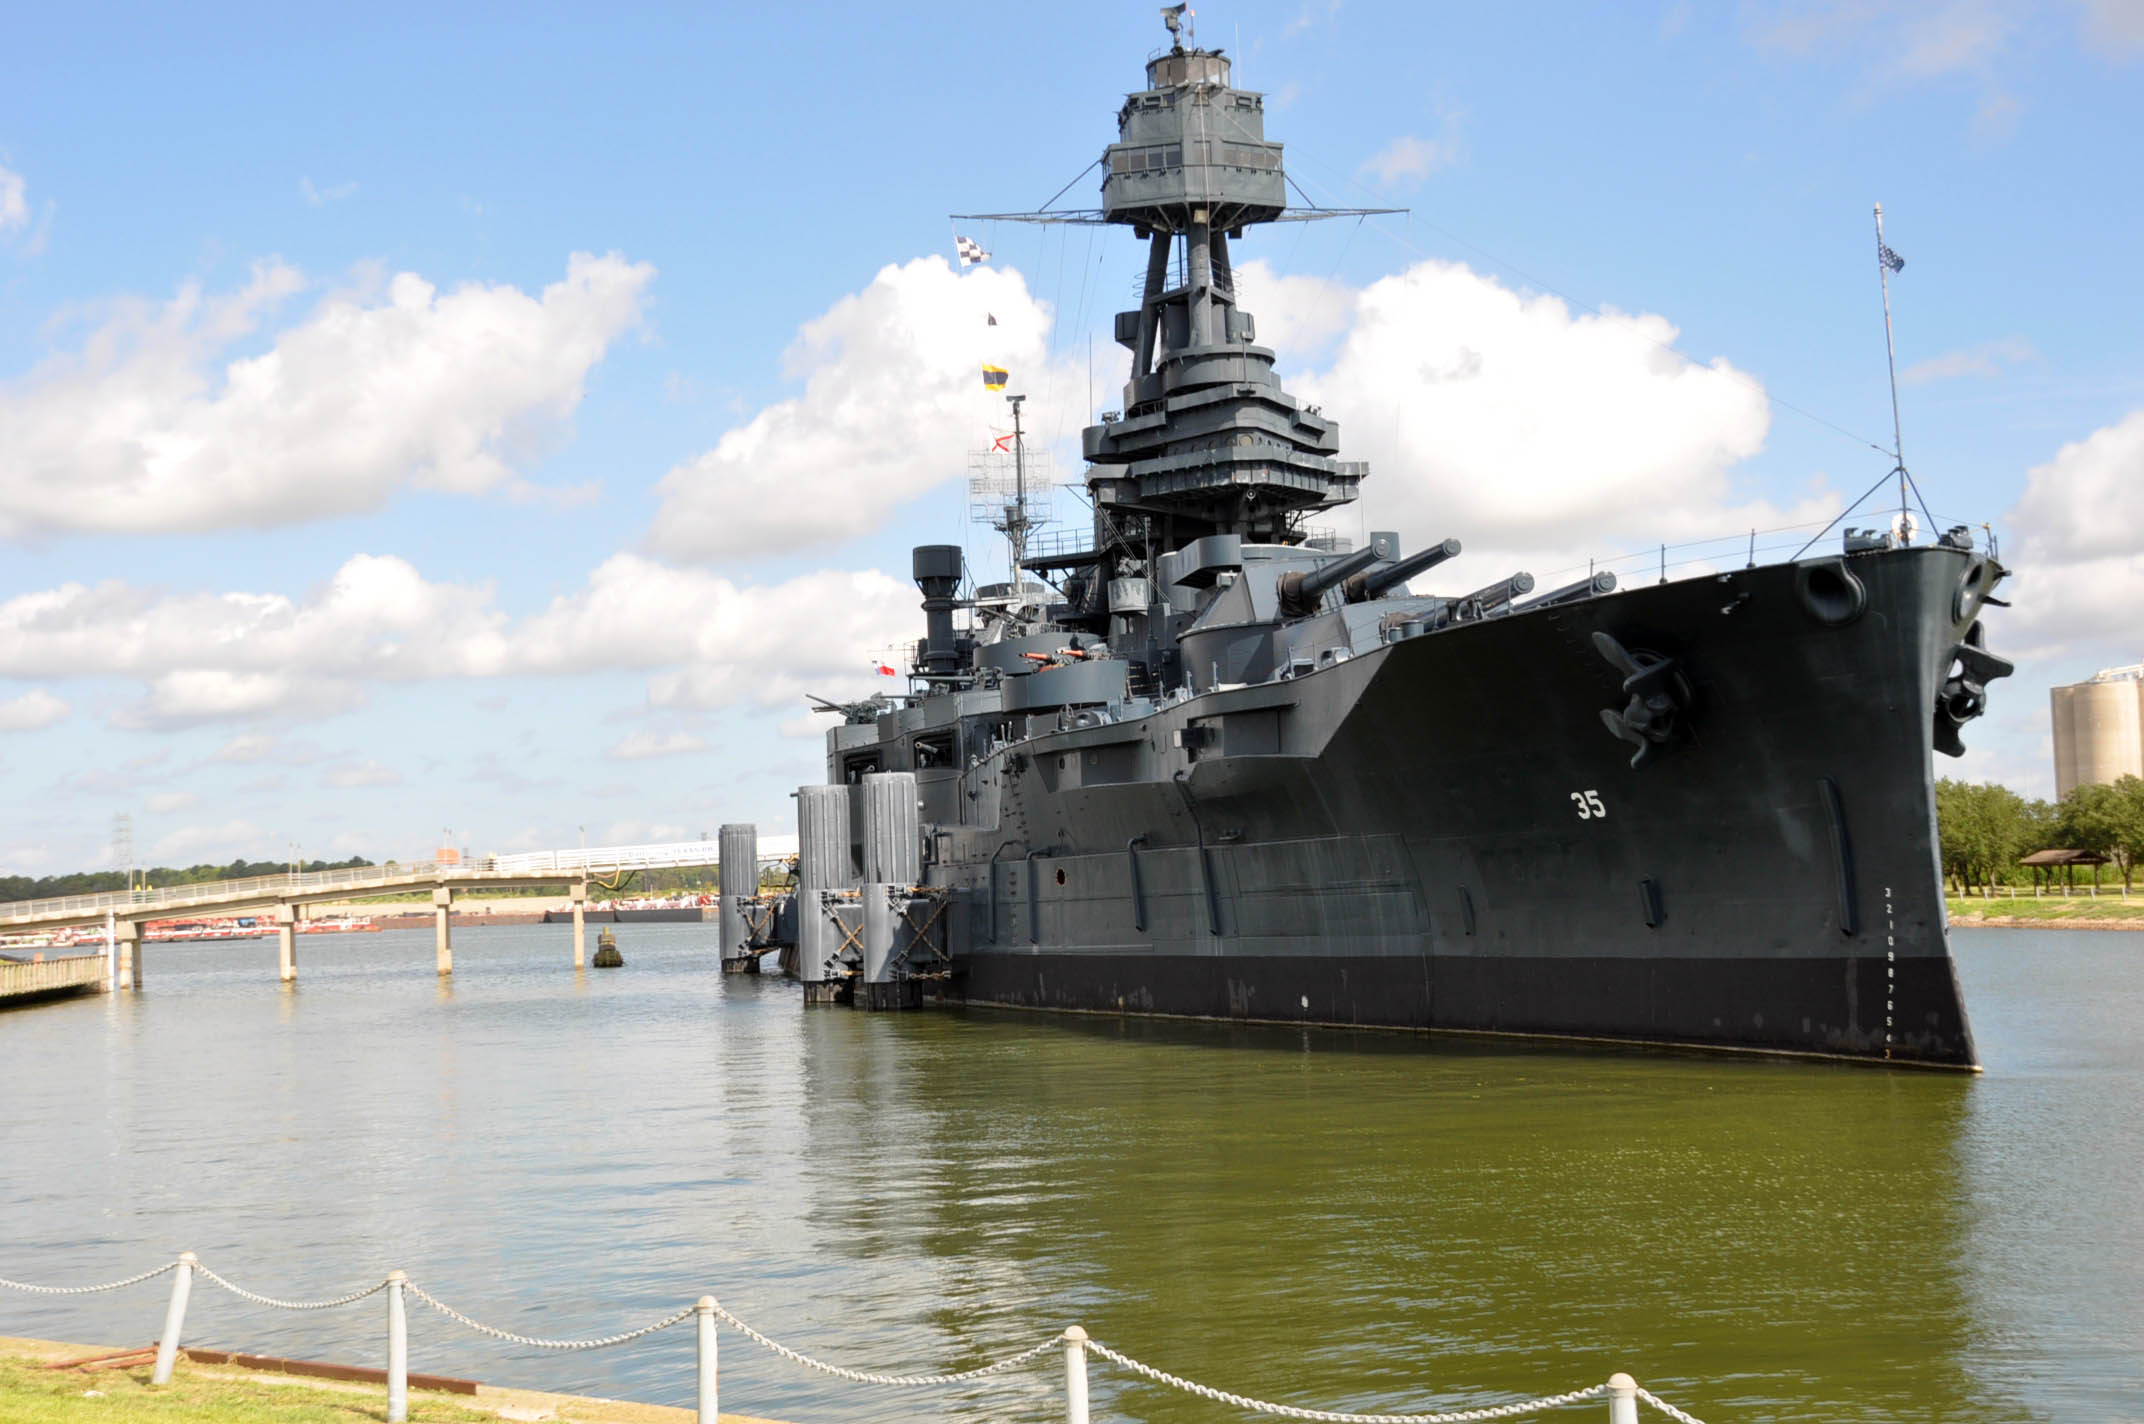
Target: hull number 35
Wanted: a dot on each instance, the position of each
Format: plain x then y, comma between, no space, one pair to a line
1589,805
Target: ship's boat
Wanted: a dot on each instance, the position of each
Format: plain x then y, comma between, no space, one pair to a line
1209,764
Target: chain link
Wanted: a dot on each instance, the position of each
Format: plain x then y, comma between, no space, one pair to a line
1666,1408
532,1341
91,1290
1260,1406
899,1381
244,1294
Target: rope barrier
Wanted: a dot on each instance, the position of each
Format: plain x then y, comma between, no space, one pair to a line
599,1343
898,1381
1666,1408
244,1294
1324,1416
1072,1341
91,1290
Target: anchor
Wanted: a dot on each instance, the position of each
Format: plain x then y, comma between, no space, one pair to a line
1964,694
1653,719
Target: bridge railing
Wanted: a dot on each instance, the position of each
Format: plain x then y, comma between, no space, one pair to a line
568,864
179,897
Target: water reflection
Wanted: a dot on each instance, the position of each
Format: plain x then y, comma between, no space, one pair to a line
1362,1220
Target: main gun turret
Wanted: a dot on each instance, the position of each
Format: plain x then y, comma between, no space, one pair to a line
1372,583
1300,589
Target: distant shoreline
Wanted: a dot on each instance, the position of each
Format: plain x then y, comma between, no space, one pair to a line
2022,922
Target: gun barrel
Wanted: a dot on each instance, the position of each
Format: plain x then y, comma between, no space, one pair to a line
1301,589
1484,601
1600,583
1376,581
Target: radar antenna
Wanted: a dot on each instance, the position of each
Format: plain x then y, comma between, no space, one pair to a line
1178,18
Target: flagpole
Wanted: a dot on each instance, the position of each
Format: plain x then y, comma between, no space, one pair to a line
1890,356
1019,518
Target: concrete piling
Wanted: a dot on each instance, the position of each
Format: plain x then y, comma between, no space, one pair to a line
823,864
442,943
738,846
578,894
286,941
129,944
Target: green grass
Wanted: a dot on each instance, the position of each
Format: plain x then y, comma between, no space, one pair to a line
2109,905
30,1394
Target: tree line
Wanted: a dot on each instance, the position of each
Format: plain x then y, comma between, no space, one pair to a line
1985,830
93,882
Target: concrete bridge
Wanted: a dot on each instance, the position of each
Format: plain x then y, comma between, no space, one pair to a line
287,897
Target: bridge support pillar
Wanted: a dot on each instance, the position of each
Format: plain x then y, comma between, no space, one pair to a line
129,937
442,943
578,894
286,941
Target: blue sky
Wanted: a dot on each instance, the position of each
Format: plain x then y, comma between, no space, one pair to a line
345,502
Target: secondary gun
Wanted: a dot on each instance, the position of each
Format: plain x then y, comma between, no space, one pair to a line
1600,583
1472,607
1371,583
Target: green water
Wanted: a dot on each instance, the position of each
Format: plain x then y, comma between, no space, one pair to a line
1341,1220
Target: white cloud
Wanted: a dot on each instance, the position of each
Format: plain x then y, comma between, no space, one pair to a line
242,656
34,709
2115,27
892,400
367,773
1530,432
321,197
163,803
640,745
2076,546
14,201
193,845
1985,358
140,430
1409,159
248,748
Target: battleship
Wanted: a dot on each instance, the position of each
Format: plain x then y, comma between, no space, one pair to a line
1208,763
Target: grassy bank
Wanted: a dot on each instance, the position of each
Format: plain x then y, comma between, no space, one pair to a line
2079,909
33,1393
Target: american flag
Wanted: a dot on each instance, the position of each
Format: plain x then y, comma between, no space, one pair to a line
1889,258
971,251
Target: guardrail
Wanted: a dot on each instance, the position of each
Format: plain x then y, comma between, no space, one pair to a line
1621,1391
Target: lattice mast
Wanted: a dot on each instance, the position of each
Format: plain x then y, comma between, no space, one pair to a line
1207,441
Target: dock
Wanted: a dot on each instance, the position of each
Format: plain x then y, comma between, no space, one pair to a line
56,978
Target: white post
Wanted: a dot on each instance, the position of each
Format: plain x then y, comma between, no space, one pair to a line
1075,1375
706,1311
167,1344
111,953
397,1350
1622,1399
578,895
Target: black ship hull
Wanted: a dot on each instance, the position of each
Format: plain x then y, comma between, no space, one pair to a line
1440,833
